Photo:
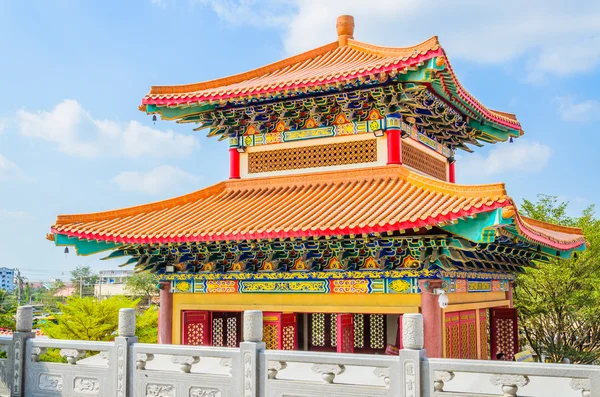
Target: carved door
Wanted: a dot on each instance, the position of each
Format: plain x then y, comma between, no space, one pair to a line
461,334
504,334
322,332
226,329
452,335
345,333
195,327
280,331
483,334
468,334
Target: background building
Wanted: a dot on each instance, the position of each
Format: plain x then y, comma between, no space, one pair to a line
7,279
111,282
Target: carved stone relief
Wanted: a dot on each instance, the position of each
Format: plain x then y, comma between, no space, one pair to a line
50,382
86,385
159,390
204,392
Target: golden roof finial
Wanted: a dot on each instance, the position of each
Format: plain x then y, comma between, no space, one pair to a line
345,28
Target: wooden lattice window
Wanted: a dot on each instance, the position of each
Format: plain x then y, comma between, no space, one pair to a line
421,161
356,152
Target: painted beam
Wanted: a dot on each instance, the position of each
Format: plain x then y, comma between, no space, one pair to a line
84,247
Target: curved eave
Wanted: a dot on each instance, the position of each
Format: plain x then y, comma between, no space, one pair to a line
200,98
371,200
419,223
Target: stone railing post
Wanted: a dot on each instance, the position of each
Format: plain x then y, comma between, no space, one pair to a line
251,350
19,361
410,355
125,361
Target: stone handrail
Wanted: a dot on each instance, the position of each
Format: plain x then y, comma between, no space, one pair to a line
131,369
509,377
330,367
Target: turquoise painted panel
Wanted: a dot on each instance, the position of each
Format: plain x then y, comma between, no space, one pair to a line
474,229
84,247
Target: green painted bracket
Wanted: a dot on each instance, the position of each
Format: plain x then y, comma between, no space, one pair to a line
477,229
173,113
84,247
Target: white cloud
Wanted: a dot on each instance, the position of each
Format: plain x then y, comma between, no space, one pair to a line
520,156
9,171
77,133
163,179
570,110
552,35
6,214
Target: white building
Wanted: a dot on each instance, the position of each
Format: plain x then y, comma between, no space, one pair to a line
111,282
7,279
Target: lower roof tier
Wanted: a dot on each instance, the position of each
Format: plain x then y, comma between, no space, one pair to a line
373,200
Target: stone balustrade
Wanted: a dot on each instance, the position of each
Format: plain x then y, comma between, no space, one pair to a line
126,368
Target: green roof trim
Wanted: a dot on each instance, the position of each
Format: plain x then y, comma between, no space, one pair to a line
84,247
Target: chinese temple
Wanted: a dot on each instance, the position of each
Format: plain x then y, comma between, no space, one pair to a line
341,212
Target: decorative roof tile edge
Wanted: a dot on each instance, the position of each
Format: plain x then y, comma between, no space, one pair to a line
418,223
538,238
399,171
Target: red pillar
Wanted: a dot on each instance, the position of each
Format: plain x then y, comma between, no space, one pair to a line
432,318
394,146
451,174
509,293
165,314
234,163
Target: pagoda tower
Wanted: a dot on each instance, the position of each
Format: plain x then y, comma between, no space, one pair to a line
341,212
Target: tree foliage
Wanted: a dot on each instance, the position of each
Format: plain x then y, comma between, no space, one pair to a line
141,285
91,319
559,301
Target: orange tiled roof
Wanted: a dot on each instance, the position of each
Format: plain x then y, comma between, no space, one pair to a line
329,64
563,237
343,202
377,199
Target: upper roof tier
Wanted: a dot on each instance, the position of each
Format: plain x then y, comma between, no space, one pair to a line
371,200
343,66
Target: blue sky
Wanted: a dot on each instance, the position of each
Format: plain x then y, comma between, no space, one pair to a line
73,73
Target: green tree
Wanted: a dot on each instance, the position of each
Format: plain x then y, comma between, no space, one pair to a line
83,280
141,285
147,325
91,319
8,308
559,301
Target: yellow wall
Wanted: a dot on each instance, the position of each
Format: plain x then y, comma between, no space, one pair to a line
300,303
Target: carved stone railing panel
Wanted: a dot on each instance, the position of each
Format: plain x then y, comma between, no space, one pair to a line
194,371
311,374
582,384
74,378
512,378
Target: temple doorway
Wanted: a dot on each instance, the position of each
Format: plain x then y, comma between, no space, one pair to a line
206,328
369,332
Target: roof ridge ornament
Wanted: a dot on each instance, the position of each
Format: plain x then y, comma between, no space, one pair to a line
345,29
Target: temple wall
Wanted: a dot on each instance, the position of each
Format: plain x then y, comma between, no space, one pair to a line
381,155
298,303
